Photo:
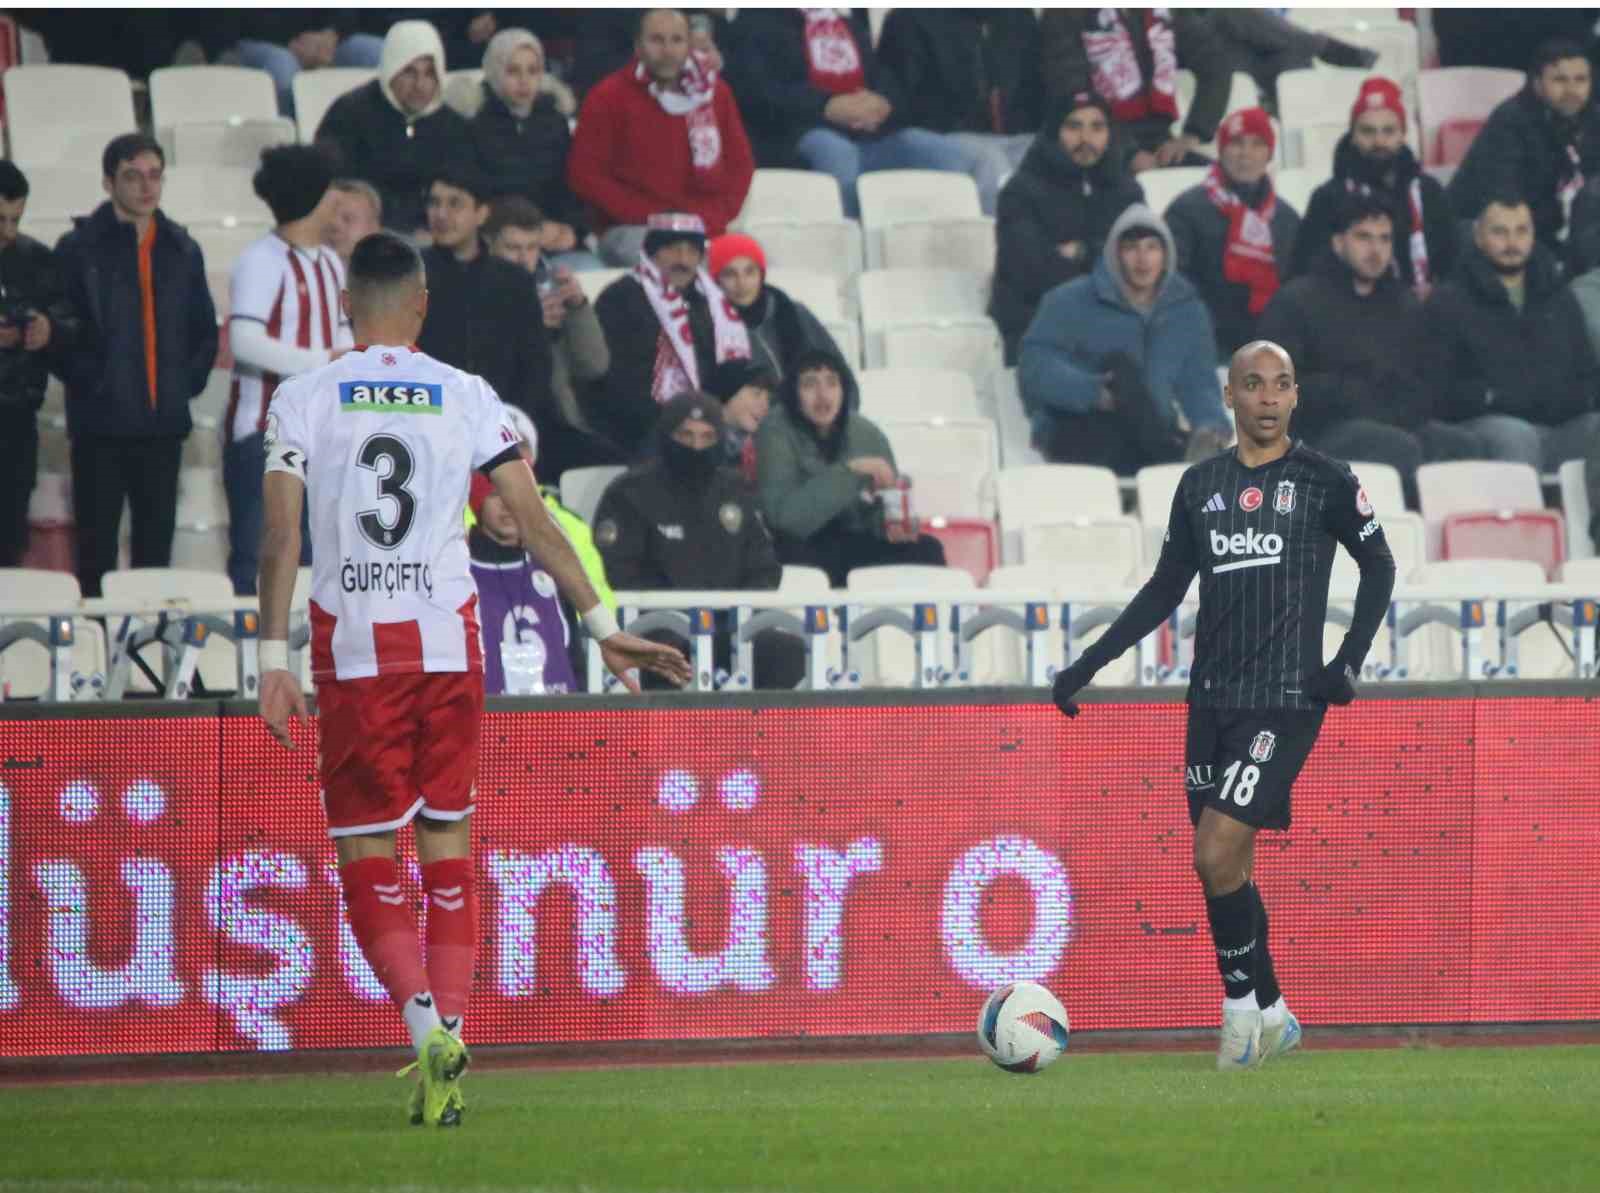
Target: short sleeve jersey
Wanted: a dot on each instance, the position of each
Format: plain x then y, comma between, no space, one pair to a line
1263,540
294,294
385,440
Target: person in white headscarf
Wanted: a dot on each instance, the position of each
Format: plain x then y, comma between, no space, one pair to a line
396,132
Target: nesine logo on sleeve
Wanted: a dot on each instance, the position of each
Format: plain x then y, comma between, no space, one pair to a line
391,397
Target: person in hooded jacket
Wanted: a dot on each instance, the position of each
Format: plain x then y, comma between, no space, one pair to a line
1055,211
684,520
822,467
396,132
1118,368
1374,159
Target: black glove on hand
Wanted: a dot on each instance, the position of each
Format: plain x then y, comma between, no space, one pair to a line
1332,684
1068,681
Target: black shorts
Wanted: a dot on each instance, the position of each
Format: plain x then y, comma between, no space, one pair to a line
1243,761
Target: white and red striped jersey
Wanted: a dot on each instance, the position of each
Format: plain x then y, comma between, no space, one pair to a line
385,440
294,294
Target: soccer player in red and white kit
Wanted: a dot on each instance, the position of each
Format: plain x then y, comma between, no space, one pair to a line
382,443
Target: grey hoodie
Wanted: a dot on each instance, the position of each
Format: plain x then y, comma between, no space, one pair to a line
1139,216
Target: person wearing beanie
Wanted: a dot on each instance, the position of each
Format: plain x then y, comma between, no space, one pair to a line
780,327
1056,209
668,327
396,132
284,318
1234,234
1118,366
682,519
1374,159
663,133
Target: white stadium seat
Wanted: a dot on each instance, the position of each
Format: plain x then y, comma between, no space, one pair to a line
1156,484
1161,187
1383,486
211,406
595,281
832,245
971,346
1049,493
799,580
1575,509
315,91
1464,94
1081,580
204,94
61,192
227,144
1434,652
463,90
582,488
65,115
1329,19
1294,184
1324,95
1473,486
917,297
202,501
888,658
917,393
46,232
791,194
221,247
217,196
1016,432
952,464
196,587
25,666
967,244
1583,572
847,334
890,197
814,289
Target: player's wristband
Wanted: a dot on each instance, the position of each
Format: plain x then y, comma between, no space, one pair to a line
272,654
601,623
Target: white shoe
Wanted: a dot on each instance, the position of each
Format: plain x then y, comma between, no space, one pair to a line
1240,1046
1279,1037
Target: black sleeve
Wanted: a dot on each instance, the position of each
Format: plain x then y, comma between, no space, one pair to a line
1202,50
759,568
1161,594
1350,518
202,312
514,452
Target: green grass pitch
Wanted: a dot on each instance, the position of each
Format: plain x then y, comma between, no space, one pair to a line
1451,1119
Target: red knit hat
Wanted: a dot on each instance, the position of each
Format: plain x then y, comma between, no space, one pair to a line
482,488
1376,94
725,250
1248,122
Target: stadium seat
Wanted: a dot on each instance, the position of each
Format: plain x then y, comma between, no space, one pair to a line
1016,432
952,464
972,346
967,244
25,665
971,544
1454,98
1156,484
202,501
1329,19
1396,43
1081,581
1575,508
893,197
1050,492
221,247
61,192
201,590
582,488
315,91
228,144
830,245
790,195
888,658
65,115
1316,144
1322,95
1161,187
847,334
1294,184
214,196
1065,539
917,393
209,94
1242,93
1407,539
1434,652
803,581
815,289
202,448
211,406
1582,572
1535,535
595,281
1382,484
1470,487
917,297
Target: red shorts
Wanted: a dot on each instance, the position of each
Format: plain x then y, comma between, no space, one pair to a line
397,745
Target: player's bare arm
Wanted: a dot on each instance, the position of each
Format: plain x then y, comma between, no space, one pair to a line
622,653
283,494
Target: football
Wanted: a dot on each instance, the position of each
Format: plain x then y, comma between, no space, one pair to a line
1022,1027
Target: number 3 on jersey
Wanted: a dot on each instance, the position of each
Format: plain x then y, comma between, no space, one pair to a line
391,459
1245,789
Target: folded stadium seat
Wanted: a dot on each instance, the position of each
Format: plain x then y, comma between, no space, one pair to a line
201,591
1095,584
214,195
1536,535
582,488
1016,432
803,581
847,334
791,194
971,544
972,346
1156,484
967,244
887,658
1383,486
25,664
1452,98
1575,508
1294,184
1051,493
1315,145
315,91
816,289
594,281
216,115
1161,187
798,216
227,144
1471,487
65,115
57,193
917,393
922,197
943,299
1434,652
952,464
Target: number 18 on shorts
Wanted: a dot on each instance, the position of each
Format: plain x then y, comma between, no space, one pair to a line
1243,762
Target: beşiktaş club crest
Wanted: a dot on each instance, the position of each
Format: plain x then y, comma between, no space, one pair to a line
1262,745
1283,498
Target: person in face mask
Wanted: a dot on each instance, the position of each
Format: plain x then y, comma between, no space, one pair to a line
684,520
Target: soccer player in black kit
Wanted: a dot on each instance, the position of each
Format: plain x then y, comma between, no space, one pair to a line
1260,523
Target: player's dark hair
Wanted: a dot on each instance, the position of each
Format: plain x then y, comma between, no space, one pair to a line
13,183
1355,208
292,179
127,147
1553,50
646,13
513,211
382,259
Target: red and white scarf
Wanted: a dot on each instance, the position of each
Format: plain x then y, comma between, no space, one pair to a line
1568,188
1247,258
691,99
677,368
1115,65
1421,279
833,59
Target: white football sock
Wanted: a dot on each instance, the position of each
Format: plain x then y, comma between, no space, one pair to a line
1246,1002
421,1018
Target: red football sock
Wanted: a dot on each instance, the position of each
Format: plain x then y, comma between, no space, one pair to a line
449,891
383,927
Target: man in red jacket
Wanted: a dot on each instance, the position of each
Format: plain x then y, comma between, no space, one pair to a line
661,134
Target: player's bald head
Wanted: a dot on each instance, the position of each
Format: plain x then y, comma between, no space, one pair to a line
1246,356
386,273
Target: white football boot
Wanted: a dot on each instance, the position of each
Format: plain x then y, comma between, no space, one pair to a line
1280,1033
1240,1046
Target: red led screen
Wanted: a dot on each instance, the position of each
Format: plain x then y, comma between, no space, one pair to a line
654,874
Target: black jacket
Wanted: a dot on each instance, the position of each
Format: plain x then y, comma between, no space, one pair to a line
780,329
1354,356
483,318
373,141
655,533
1393,189
1051,201
620,403
1536,364
526,156
966,69
1523,149
30,281
108,392
767,71
1201,230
